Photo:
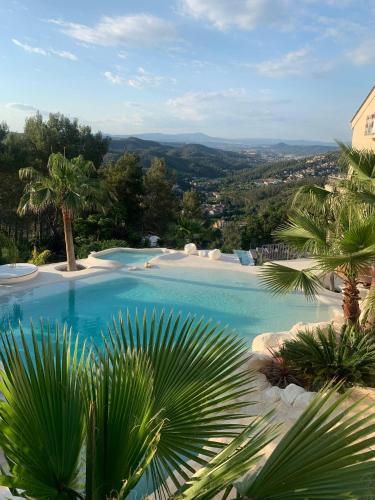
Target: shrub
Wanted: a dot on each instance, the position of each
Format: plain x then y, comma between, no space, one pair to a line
279,373
39,258
96,246
347,356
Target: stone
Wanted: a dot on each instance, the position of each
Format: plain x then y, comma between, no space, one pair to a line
190,248
290,393
303,399
266,341
259,381
258,360
202,253
214,254
307,327
272,394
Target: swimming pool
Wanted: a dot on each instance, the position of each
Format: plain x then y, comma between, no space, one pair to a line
131,257
229,297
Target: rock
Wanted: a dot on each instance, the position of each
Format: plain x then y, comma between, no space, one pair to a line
260,381
214,254
266,341
303,399
202,253
272,394
307,327
290,393
258,360
190,248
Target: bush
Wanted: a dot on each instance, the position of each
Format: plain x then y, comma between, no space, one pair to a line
318,357
39,258
280,374
84,249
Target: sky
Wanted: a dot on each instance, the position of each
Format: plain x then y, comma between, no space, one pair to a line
288,69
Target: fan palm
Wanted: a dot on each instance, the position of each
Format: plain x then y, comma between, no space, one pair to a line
70,186
157,396
78,423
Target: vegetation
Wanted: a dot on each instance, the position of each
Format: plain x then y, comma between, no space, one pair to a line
39,258
325,355
135,410
70,186
8,250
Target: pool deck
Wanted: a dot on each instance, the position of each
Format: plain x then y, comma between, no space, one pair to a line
48,274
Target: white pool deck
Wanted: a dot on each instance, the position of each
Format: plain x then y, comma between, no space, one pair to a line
48,274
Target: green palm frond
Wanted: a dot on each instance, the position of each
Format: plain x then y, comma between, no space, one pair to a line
304,232
312,194
123,429
325,454
281,279
362,162
198,382
42,417
234,461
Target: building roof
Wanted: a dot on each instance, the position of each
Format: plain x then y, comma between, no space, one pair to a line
362,103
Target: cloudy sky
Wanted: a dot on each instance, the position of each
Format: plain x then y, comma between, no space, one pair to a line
293,69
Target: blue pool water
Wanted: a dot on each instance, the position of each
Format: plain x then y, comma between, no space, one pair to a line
232,298
131,257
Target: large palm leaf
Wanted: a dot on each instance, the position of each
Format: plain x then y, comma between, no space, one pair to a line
198,380
42,417
325,454
122,428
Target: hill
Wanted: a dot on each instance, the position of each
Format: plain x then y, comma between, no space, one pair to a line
191,160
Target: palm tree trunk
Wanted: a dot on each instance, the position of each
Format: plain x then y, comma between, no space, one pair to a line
70,256
350,303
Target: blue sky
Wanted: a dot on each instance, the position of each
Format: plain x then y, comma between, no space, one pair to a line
293,69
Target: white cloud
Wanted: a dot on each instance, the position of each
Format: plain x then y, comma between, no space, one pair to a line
29,48
222,107
139,80
244,14
64,54
296,63
25,108
364,53
137,29
115,79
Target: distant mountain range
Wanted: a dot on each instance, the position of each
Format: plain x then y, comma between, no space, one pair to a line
198,160
199,138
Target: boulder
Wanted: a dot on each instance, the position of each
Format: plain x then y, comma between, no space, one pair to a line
307,327
272,394
259,382
190,248
214,254
266,341
258,360
202,253
303,399
290,393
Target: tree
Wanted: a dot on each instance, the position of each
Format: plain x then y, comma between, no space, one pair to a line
125,178
191,205
159,201
59,134
157,396
232,236
343,241
70,186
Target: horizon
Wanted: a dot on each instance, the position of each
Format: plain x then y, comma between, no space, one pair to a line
190,66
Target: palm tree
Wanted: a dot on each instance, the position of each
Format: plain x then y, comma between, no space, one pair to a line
342,241
70,186
152,402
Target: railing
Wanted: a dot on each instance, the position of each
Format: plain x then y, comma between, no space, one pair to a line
277,251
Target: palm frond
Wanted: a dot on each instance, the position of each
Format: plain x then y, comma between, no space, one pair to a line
326,454
234,461
123,429
42,417
362,162
312,194
198,382
304,232
281,279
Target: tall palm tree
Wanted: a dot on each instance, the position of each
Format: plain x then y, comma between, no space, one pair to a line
80,423
69,186
343,242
